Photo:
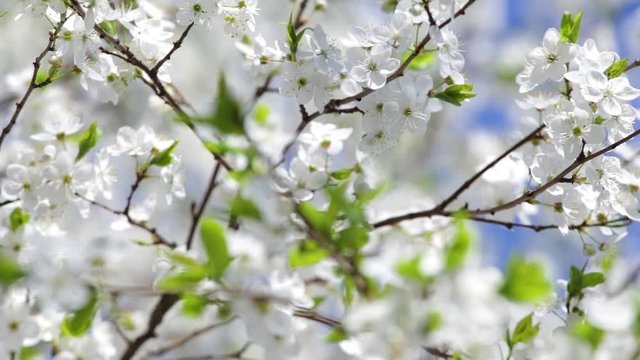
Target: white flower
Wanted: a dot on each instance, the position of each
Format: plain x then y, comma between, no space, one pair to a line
21,182
608,93
414,106
325,136
449,53
374,66
58,128
301,180
238,15
136,142
172,176
103,80
16,325
539,101
195,11
546,62
622,125
105,174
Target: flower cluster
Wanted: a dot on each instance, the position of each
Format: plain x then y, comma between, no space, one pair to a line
278,224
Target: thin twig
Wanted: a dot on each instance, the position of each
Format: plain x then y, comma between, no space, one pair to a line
158,239
198,213
179,342
53,36
165,303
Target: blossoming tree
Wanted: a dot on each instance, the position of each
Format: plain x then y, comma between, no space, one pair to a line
142,217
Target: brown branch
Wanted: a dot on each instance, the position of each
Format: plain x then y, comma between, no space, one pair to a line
526,197
165,303
299,21
157,238
198,213
634,64
176,46
618,222
233,355
53,36
465,186
185,339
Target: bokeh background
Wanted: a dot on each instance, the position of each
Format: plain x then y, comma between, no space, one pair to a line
495,36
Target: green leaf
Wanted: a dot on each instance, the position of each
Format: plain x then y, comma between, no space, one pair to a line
525,281
10,271
432,323
88,140
261,113
30,353
227,115
164,157
420,62
578,281
342,174
243,207
316,218
181,259
77,323
410,269
570,27
193,305
42,76
306,253
111,27
336,335
353,238
293,38
456,252
18,219
588,333
524,331
183,280
456,94
215,245
616,69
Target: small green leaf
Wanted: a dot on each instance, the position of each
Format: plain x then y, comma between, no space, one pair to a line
88,140
420,62
227,114
457,250
10,271
30,353
618,68
77,323
261,113
525,330
243,207
456,94
336,335
525,281
181,259
193,305
164,157
342,174
410,269
306,253
316,218
432,323
42,76
183,280
18,219
578,281
570,27
111,27
588,333
215,245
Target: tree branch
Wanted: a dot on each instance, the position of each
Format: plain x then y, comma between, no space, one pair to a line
198,213
53,36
